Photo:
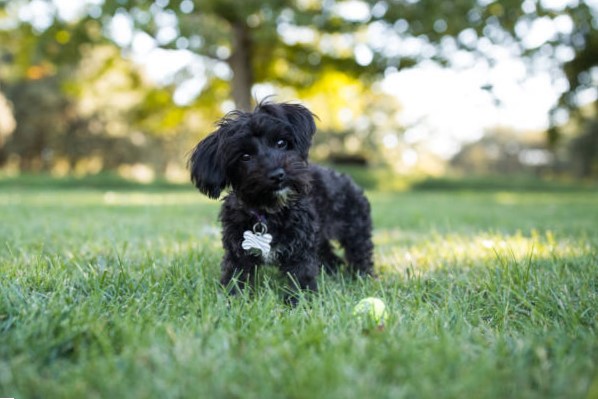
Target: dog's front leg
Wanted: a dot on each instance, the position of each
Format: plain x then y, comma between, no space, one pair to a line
236,272
305,279
302,270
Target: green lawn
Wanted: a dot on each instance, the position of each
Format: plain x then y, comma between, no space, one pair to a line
114,295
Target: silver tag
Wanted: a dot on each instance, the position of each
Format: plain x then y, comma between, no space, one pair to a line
257,240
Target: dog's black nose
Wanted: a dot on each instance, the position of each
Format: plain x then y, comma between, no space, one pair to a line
277,175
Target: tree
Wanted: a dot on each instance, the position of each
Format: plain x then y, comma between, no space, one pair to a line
290,42
296,43
253,38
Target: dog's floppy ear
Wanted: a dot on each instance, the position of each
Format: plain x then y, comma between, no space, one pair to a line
207,170
303,124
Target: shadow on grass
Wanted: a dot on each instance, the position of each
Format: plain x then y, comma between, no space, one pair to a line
500,183
103,181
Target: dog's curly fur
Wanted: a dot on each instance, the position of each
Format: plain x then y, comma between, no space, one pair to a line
262,156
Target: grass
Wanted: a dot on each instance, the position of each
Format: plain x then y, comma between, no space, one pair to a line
104,294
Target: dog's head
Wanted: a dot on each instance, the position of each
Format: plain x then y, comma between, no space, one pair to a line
262,155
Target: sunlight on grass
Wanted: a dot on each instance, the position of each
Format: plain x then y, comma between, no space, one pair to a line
397,251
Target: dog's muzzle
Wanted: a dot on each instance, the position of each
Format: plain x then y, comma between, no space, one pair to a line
277,176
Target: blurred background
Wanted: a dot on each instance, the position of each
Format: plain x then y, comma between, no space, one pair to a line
402,88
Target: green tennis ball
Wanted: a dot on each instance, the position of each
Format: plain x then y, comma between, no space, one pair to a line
370,311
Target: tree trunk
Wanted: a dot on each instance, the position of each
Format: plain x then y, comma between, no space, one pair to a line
240,63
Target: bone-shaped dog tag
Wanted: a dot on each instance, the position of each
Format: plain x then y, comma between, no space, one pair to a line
257,242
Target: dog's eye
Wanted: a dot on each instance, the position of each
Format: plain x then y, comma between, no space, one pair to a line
282,144
245,157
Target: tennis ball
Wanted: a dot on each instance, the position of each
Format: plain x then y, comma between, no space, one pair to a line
371,311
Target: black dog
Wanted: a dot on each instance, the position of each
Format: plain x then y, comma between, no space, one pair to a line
281,210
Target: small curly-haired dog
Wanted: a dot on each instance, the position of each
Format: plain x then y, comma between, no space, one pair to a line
281,209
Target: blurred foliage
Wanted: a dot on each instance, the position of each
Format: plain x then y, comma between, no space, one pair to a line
292,42
82,104
585,149
82,107
504,152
